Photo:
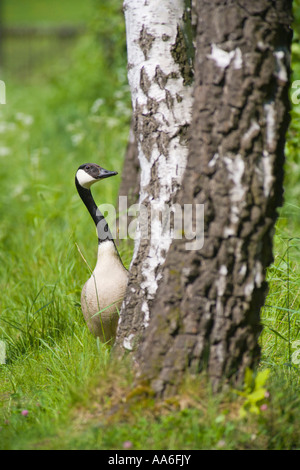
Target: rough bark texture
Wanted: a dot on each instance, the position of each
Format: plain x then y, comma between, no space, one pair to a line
206,314
160,74
130,182
129,187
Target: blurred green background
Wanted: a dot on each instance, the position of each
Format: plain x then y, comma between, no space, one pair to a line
67,103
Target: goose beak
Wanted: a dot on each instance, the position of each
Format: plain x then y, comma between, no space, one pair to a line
105,173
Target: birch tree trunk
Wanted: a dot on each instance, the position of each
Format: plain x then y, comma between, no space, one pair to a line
160,73
206,313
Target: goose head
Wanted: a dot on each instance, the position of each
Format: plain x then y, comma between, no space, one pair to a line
89,173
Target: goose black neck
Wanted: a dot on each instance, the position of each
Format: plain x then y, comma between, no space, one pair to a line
102,226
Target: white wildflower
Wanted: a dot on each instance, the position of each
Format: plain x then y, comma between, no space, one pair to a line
6,127
96,105
24,119
77,139
5,151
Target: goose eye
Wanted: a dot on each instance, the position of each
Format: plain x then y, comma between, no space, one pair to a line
87,167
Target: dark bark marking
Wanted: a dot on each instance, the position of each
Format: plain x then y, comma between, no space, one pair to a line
180,55
145,41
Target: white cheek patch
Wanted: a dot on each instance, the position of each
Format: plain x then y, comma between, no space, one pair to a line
84,179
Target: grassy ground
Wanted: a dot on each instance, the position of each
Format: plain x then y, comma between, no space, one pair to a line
59,388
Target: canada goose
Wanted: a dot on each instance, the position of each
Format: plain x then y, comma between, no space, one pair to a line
102,294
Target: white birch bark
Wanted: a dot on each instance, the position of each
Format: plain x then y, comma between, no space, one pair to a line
162,101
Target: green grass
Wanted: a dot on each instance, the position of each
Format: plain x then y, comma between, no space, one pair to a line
59,388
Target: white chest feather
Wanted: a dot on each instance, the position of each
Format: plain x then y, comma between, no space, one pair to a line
103,293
